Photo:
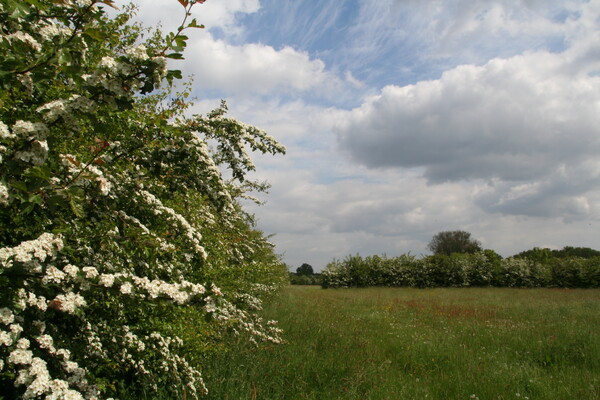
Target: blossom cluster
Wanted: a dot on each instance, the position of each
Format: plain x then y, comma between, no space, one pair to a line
192,235
32,253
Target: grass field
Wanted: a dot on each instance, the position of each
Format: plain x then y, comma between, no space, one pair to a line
386,343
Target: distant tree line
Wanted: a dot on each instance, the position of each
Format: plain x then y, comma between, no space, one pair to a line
459,261
305,275
485,268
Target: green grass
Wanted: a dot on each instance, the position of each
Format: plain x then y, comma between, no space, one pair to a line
385,343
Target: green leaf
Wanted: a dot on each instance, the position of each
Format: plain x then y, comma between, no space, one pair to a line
175,73
64,57
22,186
194,24
37,4
95,34
175,56
20,10
42,172
27,208
35,199
56,202
77,207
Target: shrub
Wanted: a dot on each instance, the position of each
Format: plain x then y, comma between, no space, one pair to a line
119,236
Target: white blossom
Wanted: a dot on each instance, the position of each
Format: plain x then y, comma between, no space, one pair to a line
6,316
90,272
5,338
25,38
39,302
138,53
36,155
47,245
46,342
108,63
5,132
71,270
26,81
15,329
53,110
20,356
107,280
23,343
104,185
69,302
51,30
160,68
4,195
216,291
39,378
30,130
53,275
126,288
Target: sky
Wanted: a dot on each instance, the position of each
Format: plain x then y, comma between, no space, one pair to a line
404,118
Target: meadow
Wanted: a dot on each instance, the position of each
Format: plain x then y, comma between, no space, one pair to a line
407,343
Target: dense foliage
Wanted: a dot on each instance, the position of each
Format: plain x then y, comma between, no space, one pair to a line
305,269
448,242
314,279
484,268
544,254
124,253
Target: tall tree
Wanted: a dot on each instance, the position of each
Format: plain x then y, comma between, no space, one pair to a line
305,269
449,242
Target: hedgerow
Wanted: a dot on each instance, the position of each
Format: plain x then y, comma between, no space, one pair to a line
484,268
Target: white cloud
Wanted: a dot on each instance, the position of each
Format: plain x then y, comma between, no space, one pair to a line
213,14
521,119
254,68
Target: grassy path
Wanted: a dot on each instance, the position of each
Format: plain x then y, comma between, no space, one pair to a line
385,343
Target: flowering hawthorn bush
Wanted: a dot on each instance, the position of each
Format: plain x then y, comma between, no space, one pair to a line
120,237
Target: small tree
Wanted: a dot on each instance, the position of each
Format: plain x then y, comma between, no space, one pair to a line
449,242
305,269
